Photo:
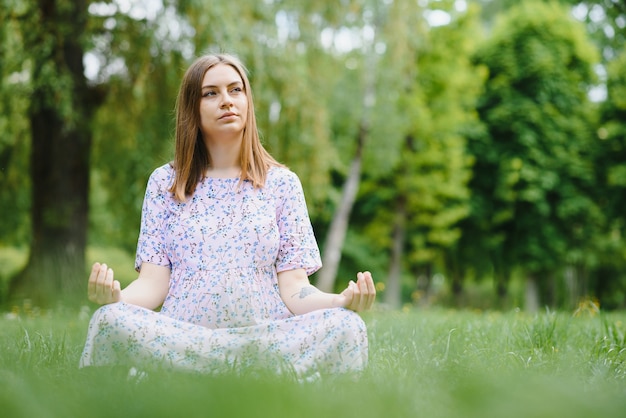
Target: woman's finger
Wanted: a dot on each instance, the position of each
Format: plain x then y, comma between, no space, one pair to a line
100,279
371,289
359,295
363,290
93,276
100,274
117,291
108,280
366,290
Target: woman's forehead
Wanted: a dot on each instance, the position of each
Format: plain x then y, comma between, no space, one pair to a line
221,74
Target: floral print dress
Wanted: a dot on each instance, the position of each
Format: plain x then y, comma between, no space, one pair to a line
223,310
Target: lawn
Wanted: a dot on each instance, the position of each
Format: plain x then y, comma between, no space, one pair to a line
423,363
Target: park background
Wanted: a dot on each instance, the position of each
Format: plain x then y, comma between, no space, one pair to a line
468,153
471,154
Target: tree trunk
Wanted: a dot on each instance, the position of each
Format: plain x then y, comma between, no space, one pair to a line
393,289
424,280
457,288
60,115
502,291
571,287
531,294
576,286
502,277
339,225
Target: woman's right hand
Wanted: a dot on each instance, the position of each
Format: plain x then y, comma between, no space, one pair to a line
102,288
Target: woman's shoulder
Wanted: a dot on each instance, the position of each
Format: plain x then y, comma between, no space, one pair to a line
283,182
164,171
163,175
281,174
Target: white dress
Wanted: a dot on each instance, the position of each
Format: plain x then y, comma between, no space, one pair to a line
223,309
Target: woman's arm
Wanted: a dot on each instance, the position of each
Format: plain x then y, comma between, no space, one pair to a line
148,290
301,296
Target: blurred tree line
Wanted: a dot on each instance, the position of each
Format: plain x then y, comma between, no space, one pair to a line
439,142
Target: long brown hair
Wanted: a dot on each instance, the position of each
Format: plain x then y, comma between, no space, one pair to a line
191,156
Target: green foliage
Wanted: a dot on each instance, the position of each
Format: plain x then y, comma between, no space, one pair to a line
14,133
533,186
612,134
434,363
12,260
425,193
128,145
605,23
533,175
608,278
133,129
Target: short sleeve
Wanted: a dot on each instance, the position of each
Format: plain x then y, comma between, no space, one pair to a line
298,247
151,245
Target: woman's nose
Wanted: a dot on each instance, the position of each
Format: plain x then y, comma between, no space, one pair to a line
227,101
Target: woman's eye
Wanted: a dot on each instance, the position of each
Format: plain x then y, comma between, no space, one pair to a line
237,90
208,93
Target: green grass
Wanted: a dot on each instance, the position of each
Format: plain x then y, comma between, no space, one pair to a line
12,259
423,363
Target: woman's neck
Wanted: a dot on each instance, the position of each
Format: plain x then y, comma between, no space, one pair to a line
223,172
225,159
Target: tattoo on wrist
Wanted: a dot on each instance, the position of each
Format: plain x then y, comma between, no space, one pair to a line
305,291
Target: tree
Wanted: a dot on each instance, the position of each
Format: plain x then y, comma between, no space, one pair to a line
605,24
608,282
414,190
338,228
133,129
60,109
66,117
431,184
533,177
14,141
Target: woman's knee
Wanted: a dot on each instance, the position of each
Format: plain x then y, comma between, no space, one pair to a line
349,321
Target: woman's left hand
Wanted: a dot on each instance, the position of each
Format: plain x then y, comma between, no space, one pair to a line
359,296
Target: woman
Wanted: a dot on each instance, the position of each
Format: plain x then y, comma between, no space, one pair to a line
225,249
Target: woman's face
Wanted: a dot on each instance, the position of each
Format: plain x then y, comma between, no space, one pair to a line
223,105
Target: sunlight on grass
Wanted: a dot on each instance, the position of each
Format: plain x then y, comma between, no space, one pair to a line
433,363
12,259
